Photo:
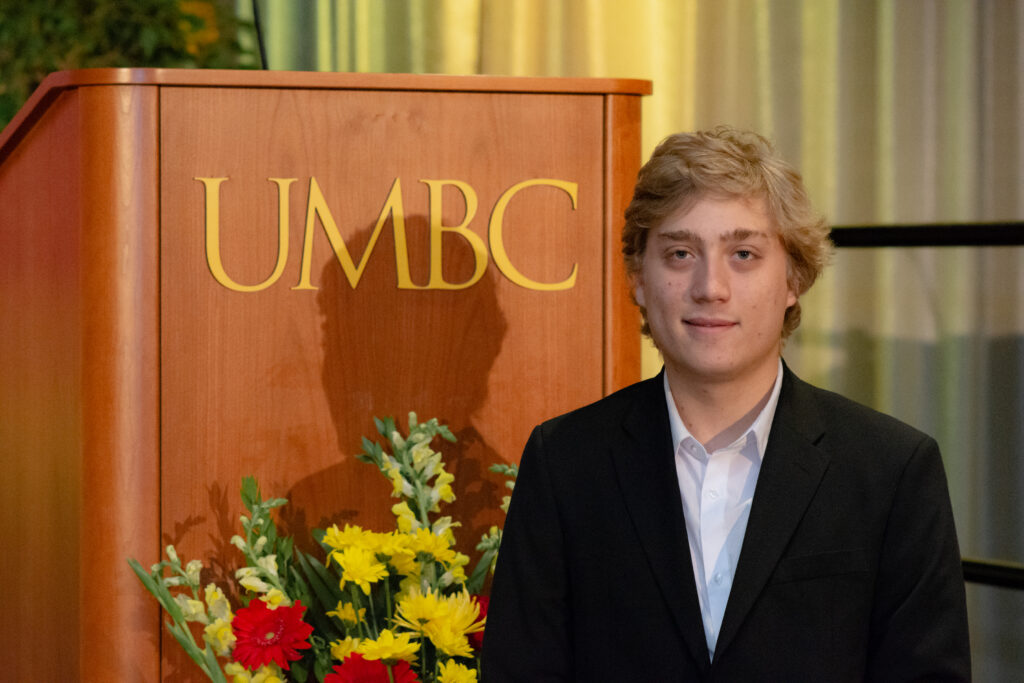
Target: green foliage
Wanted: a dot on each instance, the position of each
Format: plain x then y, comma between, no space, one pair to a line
38,37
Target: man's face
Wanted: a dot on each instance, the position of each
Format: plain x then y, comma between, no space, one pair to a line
713,281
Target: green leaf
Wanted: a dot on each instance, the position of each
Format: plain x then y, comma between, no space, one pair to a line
323,584
475,582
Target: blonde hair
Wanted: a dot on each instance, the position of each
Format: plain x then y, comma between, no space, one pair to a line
730,163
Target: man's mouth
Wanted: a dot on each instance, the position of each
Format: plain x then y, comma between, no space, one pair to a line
709,323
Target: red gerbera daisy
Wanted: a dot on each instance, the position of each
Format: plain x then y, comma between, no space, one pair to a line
267,635
476,640
357,669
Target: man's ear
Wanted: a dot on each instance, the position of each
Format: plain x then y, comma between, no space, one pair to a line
638,291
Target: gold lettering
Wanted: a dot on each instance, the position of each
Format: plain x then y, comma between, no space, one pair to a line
496,239
437,231
317,206
213,258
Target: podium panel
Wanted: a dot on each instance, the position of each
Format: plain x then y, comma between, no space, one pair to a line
249,267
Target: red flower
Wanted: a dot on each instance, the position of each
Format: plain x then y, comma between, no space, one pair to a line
357,669
269,635
476,640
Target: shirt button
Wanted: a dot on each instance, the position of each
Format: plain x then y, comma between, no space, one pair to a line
713,494
718,579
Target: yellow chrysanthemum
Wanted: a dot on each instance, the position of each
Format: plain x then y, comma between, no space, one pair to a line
220,637
418,609
400,555
346,612
360,567
389,647
453,672
350,536
343,648
448,640
448,632
424,541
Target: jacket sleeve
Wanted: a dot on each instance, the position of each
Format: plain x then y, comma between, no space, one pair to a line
919,616
527,636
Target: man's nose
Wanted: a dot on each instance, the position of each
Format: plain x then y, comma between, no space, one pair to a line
711,281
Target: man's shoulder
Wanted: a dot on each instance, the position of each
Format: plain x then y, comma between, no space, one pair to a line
846,417
609,412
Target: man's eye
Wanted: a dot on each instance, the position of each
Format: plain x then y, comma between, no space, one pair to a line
679,254
744,254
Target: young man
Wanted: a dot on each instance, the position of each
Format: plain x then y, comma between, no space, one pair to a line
726,521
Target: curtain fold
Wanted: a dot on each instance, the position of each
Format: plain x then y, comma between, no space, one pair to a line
894,110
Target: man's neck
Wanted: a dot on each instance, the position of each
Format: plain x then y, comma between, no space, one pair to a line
716,413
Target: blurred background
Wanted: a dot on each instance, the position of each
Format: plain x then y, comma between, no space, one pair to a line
896,111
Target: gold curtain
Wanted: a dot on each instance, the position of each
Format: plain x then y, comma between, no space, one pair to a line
896,111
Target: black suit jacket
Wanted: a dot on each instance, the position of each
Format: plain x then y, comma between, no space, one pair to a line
849,569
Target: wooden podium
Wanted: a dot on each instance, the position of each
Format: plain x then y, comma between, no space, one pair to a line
209,274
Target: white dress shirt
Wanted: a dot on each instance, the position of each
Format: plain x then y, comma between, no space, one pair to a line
717,490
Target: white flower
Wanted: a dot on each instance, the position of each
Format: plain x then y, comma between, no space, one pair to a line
192,571
269,564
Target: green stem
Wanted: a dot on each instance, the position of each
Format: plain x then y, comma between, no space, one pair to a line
354,590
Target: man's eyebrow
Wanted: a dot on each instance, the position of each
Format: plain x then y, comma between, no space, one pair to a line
737,235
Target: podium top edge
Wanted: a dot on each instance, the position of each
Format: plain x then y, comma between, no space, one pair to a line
61,81
345,81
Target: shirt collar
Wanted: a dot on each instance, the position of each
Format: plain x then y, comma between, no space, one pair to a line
760,427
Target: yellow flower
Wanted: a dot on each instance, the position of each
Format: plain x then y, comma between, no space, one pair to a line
256,585
448,631
423,458
360,567
406,520
397,481
268,674
448,640
352,535
401,556
453,672
418,609
237,673
443,485
192,610
220,637
425,541
343,648
219,606
389,647
275,598
346,612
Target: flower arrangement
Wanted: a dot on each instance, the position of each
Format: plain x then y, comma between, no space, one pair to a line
394,607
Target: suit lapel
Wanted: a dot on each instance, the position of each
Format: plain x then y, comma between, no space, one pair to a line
645,466
790,473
